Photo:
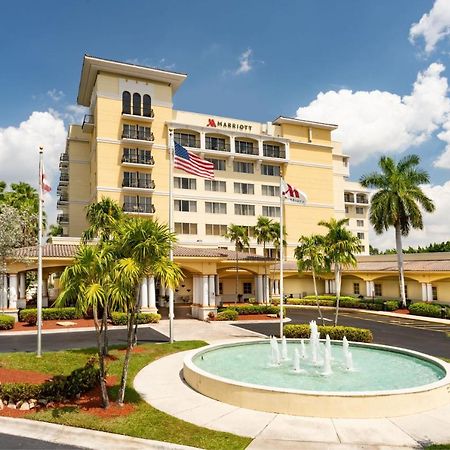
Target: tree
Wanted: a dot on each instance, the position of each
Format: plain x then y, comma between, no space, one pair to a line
397,202
340,246
265,233
239,236
310,255
54,231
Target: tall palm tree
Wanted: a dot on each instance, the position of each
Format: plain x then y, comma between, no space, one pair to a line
142,247
239,236
265,233
341,245
310,255
397,201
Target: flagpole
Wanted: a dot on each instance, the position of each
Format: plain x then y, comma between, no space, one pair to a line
39,273
171,299
281,258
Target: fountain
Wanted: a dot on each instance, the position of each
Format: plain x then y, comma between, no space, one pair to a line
319,377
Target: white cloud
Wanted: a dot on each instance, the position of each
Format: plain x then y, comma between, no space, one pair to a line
75,113
245,65
377,122
435,229
433,26
19,152
55,95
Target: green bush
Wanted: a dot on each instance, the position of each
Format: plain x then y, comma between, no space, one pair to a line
227,314
425,309
58,388
6,322
253,309
121,318
30,315
336,333
392,305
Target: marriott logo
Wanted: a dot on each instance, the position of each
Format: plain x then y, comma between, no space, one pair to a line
231,125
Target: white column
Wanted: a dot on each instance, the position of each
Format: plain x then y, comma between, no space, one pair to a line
202,139
267,288
277,287
205,290
332,286
430,292
162,294
45,292
368,289
260,147
424,292
327,286
22,289
259,289
212,290
151,292
4,292
232,150
13,291
144,293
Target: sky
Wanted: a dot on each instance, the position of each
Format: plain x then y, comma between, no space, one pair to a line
377,69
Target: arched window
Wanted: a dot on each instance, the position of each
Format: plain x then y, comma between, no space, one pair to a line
126,102
147,106
137,104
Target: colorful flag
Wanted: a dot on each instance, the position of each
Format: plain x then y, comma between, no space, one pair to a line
292,194
45,187
191,163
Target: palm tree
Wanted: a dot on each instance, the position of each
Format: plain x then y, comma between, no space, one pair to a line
310,255
54,231
239,236
265,233
340,246
143,247
102,217
397,201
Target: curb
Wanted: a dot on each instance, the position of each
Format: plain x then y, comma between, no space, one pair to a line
90,439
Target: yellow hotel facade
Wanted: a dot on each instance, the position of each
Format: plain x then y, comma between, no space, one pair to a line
121,151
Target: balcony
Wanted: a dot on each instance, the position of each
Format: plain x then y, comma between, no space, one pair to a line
88,123
62,219
63,160
64,179
191,143
362,199
63,200
138,209
138,159
140,135
247,150
138,184
142,115
274,153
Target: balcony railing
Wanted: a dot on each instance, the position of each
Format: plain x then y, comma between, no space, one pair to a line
138,159
64,178
272,153
143,112
88,123
362,200
64,157
134,208
218,147
140,184
247,150
137,134
191,143
62,218
63,199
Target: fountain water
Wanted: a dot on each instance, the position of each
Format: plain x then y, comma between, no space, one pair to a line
284,351
296,360
303,348
275,352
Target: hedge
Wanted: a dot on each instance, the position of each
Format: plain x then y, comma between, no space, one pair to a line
6,322
121,318
30,315
425,309
227,314
58,388
253,309
336,333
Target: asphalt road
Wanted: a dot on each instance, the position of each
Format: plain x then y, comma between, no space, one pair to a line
422,336
73,340
8,441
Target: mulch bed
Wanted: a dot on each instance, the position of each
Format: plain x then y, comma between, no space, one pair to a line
22,376
51,325
255,317
401,311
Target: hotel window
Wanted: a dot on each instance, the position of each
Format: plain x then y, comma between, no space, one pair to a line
268,169
349,197
147,106
137,132
360,223
137,156
138,204
221,286
249,250
362,249
137,180
185,183
270,191
186,140
243,167
360,235
215,143
347,209
244,210
244,188
185,205
271,211
434,292
126,102
215,185
272,253
359,210
378,291
356,289
219,164
247,288
136,104
273,151
185,228
245,148
215,208
216,229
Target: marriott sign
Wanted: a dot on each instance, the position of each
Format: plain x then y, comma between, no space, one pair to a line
232,125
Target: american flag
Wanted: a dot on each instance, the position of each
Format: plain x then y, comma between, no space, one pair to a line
45,187
292,194
191,163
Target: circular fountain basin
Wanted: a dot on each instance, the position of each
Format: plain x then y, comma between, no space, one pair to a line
385,381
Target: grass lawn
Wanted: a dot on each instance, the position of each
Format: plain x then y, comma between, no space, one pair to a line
144,421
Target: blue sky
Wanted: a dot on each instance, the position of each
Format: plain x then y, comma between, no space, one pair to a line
252,60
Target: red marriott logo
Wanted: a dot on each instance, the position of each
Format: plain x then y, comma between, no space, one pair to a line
211,123
233,125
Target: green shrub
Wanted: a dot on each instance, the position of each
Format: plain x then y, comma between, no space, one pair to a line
58,388
425,309
253,309
121,318
6,322
227,314
392,305
336,333
30,315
